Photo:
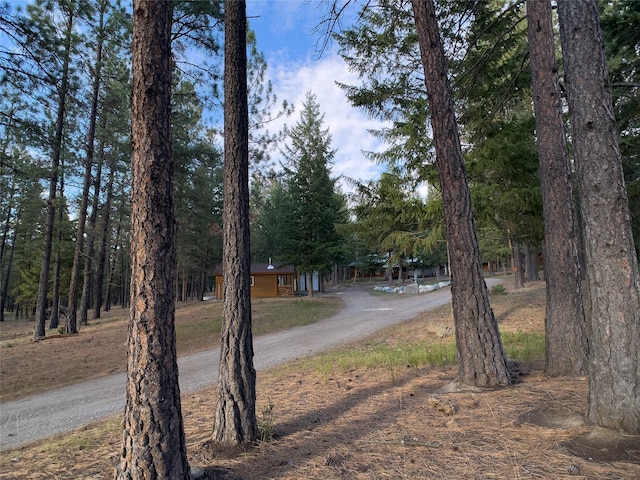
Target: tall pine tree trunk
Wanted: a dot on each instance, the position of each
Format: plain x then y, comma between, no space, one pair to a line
611,262
235,417
481,358
309,281
518,268
153,445
6,266
4,291
42,302
98,297
54,318
530,263
112,266
565,325
88,281
86,184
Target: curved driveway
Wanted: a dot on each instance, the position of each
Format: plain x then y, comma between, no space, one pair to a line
40,416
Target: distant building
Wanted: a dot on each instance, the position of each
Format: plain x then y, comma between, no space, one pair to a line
267,280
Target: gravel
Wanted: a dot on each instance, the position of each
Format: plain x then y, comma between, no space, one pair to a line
41,416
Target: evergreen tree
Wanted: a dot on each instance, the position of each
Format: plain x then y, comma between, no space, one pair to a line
198,187
69,12
481,358
153,441
612,265
271,205
620,21
565,326
311,241
235,417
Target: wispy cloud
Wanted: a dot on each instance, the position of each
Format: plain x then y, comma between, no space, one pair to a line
348,126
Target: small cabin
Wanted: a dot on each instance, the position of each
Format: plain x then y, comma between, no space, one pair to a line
267,280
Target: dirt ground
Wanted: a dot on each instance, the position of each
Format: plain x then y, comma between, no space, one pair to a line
100,349
381,423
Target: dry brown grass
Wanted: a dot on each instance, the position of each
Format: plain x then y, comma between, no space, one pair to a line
369,424
100,348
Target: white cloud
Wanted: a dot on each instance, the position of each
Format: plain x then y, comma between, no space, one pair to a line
347,125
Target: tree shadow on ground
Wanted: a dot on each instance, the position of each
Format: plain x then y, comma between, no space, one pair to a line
316,432
355,416
596,445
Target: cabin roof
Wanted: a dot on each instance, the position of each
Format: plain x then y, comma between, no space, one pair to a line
264,268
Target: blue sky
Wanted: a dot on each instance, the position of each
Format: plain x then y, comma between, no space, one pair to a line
284,32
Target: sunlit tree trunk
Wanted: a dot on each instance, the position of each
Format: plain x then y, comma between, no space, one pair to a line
481,358
235,416
153,445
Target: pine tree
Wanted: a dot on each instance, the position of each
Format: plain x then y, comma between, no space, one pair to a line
311,239
565,326
153,441
235,417
481,357
612,265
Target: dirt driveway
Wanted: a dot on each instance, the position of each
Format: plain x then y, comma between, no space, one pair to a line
41,416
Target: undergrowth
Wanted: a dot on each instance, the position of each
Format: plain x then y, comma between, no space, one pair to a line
519,346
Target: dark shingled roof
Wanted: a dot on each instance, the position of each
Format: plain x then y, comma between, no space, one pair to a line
258,268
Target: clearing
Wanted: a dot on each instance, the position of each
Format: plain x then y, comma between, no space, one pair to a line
349,421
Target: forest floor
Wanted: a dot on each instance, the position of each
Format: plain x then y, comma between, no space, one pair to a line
375,423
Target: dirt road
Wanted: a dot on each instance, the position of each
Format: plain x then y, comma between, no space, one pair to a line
40,416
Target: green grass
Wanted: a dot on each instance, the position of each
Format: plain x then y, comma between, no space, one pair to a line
523,347
272,316
518,346
267,316
189,336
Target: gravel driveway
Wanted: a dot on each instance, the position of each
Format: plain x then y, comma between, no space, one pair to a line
40,416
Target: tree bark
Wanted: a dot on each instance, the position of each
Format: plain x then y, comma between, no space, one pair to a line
4,278
88,278
518,269
481,358
310,284
530,263
43,285
86,183
565,324
611,262
99,295
54,318
154,445
235,418
9,265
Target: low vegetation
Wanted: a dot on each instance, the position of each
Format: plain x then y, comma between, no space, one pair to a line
375,409
100,347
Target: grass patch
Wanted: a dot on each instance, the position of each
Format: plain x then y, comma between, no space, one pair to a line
522,346
189,336
85,439
267,316
518,346
379,355
280,314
